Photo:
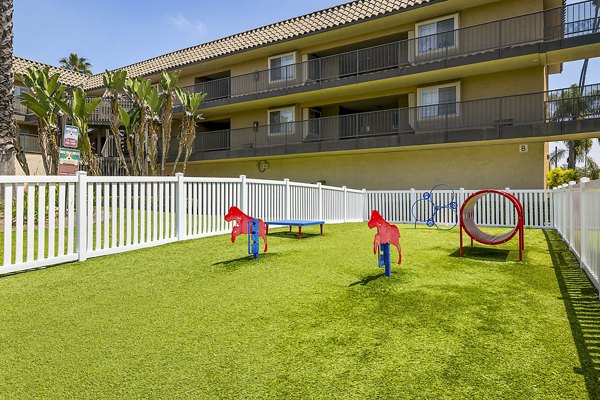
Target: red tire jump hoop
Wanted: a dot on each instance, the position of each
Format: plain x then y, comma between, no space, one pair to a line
467,222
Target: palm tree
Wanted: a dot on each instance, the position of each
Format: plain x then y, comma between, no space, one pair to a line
114,82
45,92
570,105
7,164
191,114
168,82
557,156
76,63
79,112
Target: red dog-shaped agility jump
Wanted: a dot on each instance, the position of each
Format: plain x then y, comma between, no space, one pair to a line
235,214
386,233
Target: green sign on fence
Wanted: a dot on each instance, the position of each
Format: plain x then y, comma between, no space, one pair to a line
68,161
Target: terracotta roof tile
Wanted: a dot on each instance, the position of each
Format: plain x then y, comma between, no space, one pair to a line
340,15
67,77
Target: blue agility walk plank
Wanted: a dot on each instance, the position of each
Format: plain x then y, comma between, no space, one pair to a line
295,222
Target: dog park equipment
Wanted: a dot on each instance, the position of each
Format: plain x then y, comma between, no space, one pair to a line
253,227
468,224
386,234
429,204
295,222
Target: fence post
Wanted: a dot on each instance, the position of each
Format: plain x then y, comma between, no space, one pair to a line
320,188
508,211
82,215
345,203
243,194
583,222
413,200
180,210
459,203
365,206
287,201
571,220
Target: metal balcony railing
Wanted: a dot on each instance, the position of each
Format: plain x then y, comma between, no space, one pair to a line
549,25
19,108
494,113
29,143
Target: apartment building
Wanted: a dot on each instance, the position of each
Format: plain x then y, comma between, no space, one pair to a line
384,94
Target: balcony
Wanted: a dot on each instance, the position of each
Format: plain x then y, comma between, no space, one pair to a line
19,109
550,30
542,115
101,116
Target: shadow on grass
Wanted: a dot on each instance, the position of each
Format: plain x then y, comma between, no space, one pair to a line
583,310
241,261
366,280
484,254
293,235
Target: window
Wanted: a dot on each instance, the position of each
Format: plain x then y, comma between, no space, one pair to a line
438,34
282,68
281,121
20,90
438,101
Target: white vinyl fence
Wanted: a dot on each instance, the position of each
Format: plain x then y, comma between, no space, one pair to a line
54,219
409,206
577,218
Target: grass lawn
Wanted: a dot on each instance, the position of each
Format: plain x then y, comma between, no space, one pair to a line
310,319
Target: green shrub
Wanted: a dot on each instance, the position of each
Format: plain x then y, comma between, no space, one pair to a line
559,176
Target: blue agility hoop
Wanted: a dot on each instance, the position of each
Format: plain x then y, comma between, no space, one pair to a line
431,219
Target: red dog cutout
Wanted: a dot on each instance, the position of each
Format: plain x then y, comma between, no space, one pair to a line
386,233
235,214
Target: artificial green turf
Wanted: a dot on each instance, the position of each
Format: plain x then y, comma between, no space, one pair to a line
310,319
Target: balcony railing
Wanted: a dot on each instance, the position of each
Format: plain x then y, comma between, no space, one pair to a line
29,143
554,24
493,113
19,108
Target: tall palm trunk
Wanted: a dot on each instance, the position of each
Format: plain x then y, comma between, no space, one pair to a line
166,130
19,153
43,137
182,143
189,143
153,147
141,142
7,164
114,130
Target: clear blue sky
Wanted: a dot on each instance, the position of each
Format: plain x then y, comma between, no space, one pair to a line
115,33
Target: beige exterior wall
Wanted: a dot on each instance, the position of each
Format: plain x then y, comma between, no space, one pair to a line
527,80
36,166
479,14
498,10
473,167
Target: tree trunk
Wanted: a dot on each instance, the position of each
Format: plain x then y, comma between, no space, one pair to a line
114,130
19,153
141,142
189,143
166,131
153,147
182,140
42,131
7,163
571,159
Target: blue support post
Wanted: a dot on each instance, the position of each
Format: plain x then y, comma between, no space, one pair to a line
253,238
384,258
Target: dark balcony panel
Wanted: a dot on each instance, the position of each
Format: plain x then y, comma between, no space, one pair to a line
29,143
551,113
211,141
532,33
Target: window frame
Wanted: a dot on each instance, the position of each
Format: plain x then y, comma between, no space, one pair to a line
420,91
436,20
293,109
294,62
